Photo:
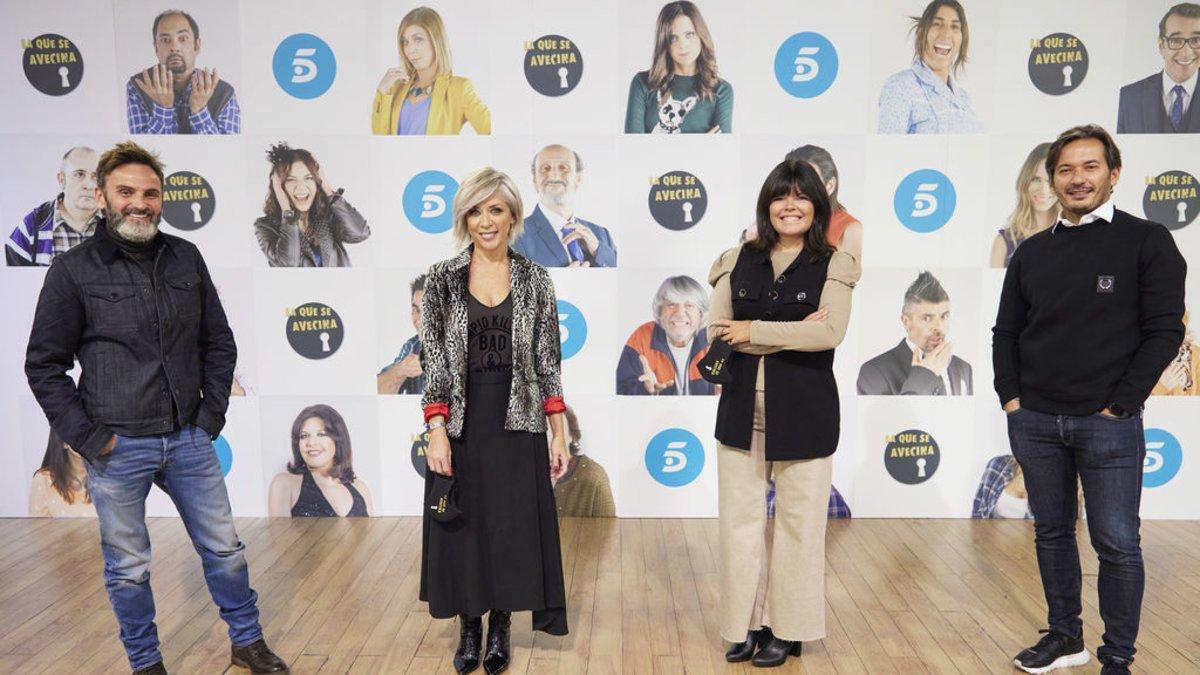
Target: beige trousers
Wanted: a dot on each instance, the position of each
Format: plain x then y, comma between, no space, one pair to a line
752,556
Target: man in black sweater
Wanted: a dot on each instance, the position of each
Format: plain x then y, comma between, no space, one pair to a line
1090,314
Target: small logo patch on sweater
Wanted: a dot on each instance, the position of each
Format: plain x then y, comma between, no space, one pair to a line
1105,283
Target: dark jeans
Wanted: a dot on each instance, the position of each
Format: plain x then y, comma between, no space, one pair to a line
1107,455
185,466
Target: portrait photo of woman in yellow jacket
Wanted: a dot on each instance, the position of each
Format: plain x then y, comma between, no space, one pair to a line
422,95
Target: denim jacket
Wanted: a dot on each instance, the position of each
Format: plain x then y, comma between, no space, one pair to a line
536,389
155,355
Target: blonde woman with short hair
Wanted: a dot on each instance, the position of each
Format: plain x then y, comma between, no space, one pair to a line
489,330
422,95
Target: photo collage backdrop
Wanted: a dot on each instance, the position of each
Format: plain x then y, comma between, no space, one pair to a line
537,73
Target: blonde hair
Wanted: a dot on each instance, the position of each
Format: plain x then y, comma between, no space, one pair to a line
478,187
429,20
1022,222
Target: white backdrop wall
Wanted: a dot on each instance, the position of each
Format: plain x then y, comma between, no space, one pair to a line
626,435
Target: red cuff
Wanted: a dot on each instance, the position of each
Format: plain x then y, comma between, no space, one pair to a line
554,405
434,409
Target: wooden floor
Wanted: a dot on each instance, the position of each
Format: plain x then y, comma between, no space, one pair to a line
338,596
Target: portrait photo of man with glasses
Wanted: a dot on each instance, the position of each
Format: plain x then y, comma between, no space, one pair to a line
1162,103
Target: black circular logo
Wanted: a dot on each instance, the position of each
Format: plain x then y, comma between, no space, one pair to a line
53,64
314,330
188,201
553,65
420,443
1057,63
677,200
911,456
1171,199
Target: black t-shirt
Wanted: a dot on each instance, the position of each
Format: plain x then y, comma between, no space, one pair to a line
489,336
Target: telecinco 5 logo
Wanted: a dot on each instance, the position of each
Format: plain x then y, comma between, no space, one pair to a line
572,329
674,457
427,199
911,456
1164,457
314,330
925,200
806,64
304,66
224,454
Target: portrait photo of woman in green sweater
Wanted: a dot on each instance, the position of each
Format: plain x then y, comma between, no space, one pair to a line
681,92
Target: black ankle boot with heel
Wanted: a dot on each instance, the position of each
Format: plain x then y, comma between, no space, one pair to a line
470,642
496,659
775,652
742,651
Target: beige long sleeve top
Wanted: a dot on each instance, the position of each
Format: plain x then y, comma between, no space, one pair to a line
768,337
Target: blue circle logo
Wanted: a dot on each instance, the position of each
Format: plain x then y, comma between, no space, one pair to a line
674,457
224,454
806,64
925,200
427,199
1164,456
304,65
572,329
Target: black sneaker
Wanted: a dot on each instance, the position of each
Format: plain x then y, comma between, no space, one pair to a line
1114,665
1052,652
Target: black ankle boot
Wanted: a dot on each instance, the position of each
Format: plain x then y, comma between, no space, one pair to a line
775,652
470,641
742,651
496,659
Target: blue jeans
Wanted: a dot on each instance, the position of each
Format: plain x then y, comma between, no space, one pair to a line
185,466
1107,455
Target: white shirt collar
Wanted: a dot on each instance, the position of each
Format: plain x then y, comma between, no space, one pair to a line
556,221
1189,88
1104,212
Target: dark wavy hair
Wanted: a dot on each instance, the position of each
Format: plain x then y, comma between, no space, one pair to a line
335,426
661,69
57,463
922,24
281,157
793,178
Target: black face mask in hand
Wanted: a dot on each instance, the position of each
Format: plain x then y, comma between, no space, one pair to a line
441,500
714,367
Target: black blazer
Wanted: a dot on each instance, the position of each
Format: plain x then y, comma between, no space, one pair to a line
1141,111
892,373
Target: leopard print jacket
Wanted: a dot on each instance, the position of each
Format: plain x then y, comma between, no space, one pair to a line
536,383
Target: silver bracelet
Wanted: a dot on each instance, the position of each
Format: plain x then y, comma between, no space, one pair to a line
430,426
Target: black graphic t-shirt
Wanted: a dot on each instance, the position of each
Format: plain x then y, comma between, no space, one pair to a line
489,336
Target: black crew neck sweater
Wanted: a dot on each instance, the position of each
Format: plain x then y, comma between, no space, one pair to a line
1089,316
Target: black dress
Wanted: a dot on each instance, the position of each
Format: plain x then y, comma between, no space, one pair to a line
312,502
503,553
